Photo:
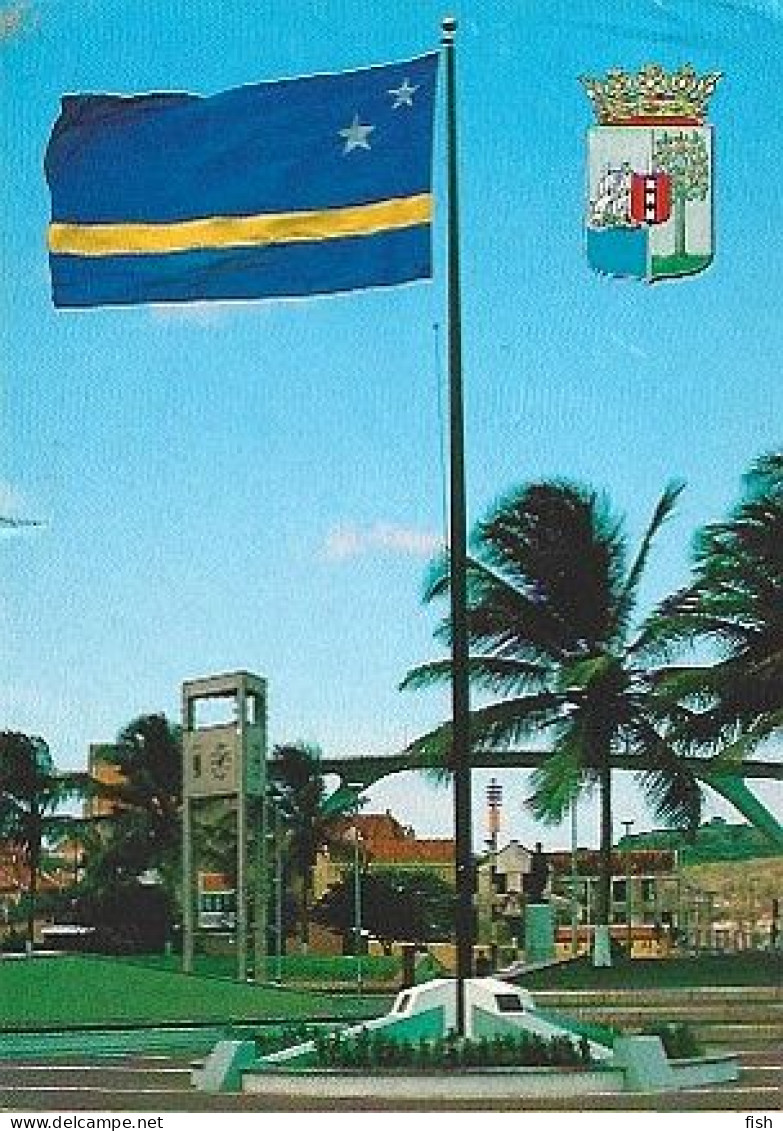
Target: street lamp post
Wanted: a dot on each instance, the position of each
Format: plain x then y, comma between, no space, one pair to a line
711,920
276,837
574,875
357,886
75,825
628,825
357,909
680,926
278,897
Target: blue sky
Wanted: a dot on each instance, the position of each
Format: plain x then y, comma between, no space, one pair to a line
259,486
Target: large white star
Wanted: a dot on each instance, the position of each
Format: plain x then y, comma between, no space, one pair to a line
356,135
403,95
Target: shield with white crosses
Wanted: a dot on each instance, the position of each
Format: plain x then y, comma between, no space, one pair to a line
649,208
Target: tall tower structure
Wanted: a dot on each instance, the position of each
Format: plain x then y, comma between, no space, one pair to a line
494,805
224,749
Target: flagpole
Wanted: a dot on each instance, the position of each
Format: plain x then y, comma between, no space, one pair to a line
458,559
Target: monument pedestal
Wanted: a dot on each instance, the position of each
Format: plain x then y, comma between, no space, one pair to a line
539,933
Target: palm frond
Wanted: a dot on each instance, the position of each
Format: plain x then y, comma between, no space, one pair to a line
580,674
680,621
501,725
431,753
502,617
560,545
556,783
745,745
765,476
694,685
437,578
671,788
735,601
489,673
627,598
496,727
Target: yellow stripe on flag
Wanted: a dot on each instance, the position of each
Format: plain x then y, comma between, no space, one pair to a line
240,231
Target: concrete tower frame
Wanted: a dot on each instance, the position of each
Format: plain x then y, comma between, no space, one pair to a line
226,756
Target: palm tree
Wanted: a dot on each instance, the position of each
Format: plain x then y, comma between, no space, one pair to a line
31,793
308,816
733,606
735,603
551,599
144,832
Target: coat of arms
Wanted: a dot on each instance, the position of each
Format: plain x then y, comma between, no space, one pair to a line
649,213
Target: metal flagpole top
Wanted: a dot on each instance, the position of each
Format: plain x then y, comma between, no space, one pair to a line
449,28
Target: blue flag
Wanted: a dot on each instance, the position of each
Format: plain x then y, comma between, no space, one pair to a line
299,187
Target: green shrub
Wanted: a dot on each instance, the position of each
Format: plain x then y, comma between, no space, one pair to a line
275,1040
423,1057
679,1040
381,1051
13,942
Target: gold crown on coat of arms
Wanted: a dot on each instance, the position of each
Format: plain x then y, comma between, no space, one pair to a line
651,95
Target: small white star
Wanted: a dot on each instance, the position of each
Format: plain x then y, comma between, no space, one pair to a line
403,95
356,135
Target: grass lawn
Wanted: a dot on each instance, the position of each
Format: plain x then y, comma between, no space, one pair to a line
337,969
744,969
332,973
90,990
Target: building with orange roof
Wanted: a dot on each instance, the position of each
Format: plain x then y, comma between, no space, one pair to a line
373,827
384,842
104,771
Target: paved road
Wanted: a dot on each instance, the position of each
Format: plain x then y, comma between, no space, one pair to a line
162,1084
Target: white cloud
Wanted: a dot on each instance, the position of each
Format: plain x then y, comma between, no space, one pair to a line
346,540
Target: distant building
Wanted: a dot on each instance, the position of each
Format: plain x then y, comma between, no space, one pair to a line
658,902
745,898
14,882
384,842
651,903
500,899
104,771
734,871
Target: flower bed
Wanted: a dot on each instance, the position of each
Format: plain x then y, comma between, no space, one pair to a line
376,1051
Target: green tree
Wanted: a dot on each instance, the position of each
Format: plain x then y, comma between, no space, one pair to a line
397,905
129,917
551,600
145,828
732,611
308,817
32,793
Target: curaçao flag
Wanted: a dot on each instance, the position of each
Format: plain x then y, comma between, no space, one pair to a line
299,187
